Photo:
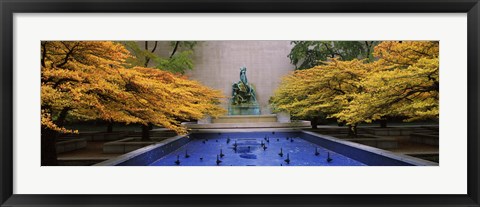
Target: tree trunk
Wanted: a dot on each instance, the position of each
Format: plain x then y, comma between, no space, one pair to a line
314,123
62,116
110,127
352,130
145,133
383,123
49,152
48,141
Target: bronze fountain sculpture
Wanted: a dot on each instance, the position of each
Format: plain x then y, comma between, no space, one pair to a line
244,100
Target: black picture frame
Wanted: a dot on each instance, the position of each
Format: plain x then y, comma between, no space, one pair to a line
10,7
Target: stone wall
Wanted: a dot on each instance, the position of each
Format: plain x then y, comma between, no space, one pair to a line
217,65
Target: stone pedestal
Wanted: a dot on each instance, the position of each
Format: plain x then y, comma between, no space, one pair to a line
247,121
238,119
244,109
283,117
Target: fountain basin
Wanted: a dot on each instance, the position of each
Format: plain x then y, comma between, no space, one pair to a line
203,148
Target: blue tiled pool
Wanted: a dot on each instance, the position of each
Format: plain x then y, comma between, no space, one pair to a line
273,148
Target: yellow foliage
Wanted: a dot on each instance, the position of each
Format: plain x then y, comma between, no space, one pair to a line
406,84
166,99
323,89
92,81
47,122
403,81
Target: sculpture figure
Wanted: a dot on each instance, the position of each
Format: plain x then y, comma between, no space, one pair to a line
243,75
242,91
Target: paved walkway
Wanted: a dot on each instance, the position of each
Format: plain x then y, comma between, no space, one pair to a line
93,150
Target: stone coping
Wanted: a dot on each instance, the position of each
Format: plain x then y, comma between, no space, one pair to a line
369,139
296,124
127,141
425,135
249,116
73,140
422,153
99,136
98,132
132,154
237,119
345,135
127,145
83,158
404,158
68,145
244,130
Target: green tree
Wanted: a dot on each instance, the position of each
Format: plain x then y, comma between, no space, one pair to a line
178,60
308,54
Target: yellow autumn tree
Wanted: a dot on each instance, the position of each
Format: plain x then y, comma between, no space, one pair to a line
164,99
405,83
79,79
402,81
323,90
88,80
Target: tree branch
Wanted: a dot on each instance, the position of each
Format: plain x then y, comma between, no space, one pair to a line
67,56
147,59
44,53
175,49
154,47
